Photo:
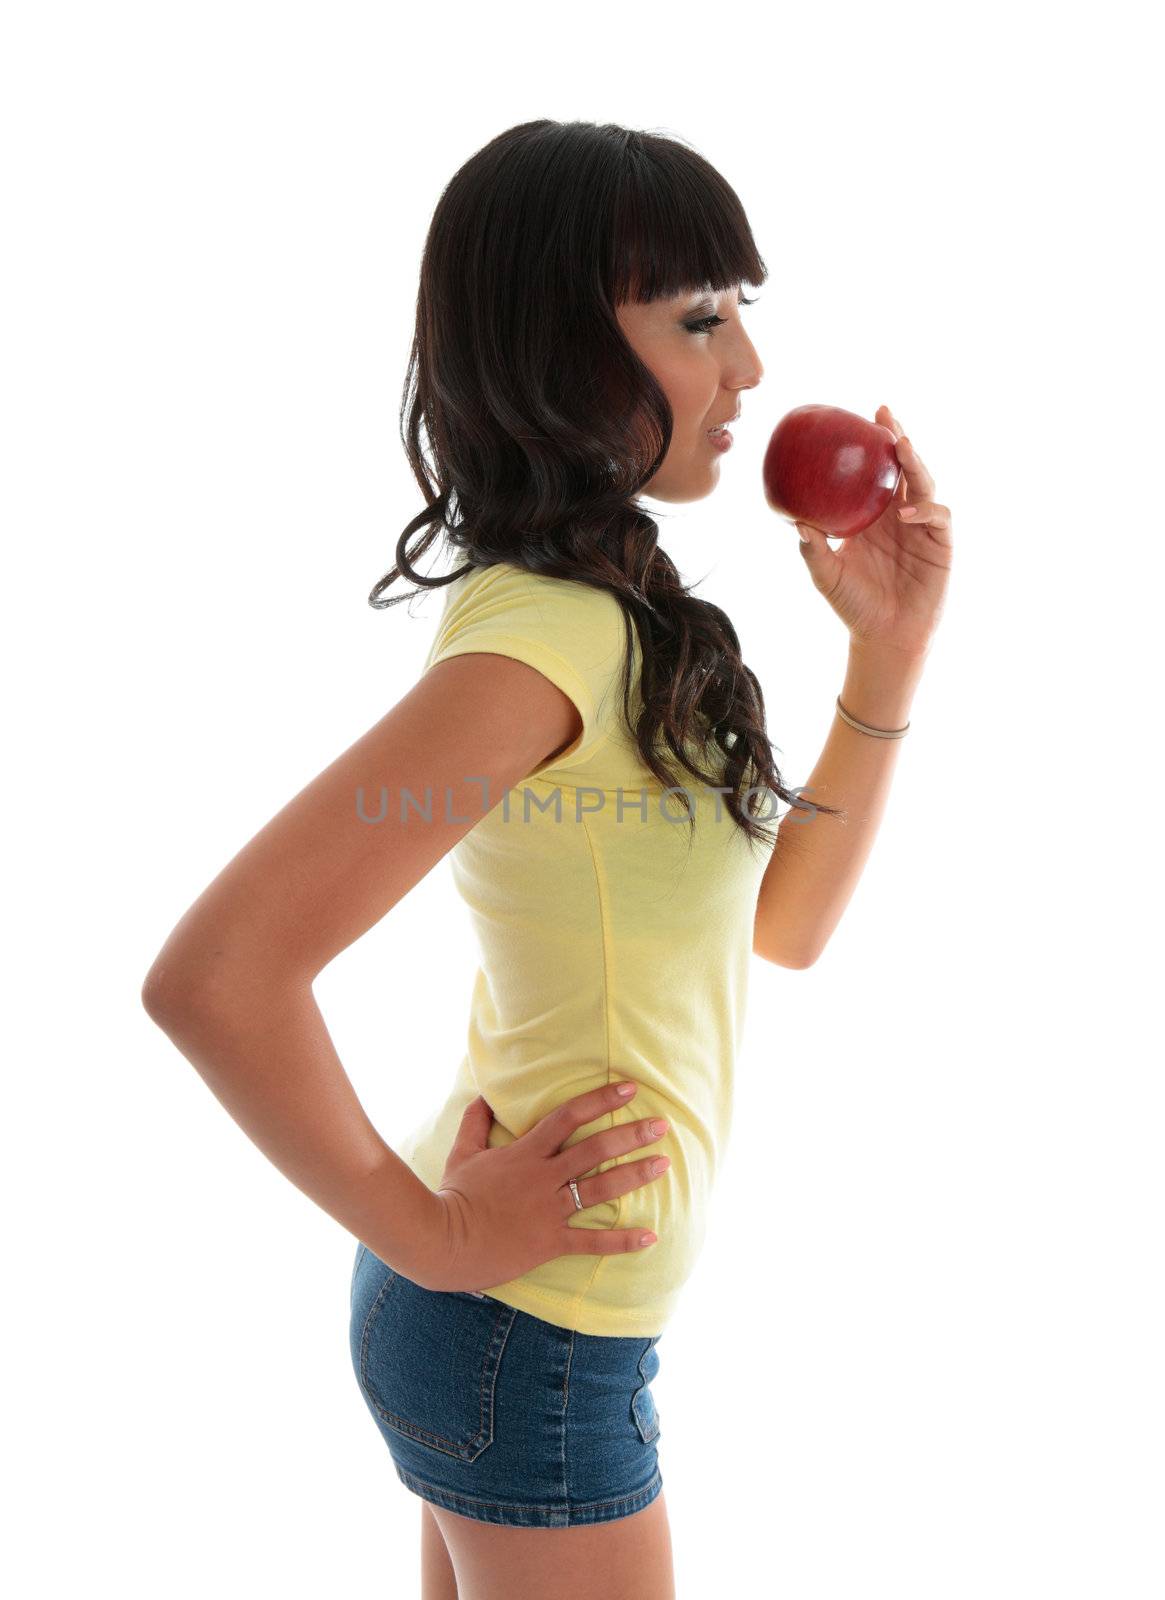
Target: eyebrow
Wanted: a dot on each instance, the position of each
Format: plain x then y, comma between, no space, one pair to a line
706,298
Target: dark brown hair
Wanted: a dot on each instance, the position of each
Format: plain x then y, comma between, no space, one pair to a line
542,423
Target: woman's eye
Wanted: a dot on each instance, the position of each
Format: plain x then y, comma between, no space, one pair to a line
707,324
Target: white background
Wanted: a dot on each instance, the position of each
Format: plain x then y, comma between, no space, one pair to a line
921,1354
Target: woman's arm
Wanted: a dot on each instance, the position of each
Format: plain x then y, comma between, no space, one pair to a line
888,585
232,985
817,860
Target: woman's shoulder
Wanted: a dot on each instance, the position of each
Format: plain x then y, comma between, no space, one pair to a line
565,613
509,578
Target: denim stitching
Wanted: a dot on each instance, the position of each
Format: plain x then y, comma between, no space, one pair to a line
361,1252
646,1436
566,1414
412,1430
492,1366
557,1516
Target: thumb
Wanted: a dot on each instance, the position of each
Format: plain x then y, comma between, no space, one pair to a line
814,547
476,1119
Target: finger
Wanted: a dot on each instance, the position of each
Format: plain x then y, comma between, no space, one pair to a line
604,1241
622,1178
822,562
934,527
473,1129
812,535
591,1152
886,419
919,482
925,513
551,1132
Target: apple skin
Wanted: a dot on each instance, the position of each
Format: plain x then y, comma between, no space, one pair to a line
830,468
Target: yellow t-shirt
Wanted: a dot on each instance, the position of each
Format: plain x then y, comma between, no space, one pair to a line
608,950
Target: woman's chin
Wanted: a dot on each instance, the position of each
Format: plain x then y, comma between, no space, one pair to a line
694,486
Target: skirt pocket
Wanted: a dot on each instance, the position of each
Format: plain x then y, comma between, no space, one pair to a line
427,1362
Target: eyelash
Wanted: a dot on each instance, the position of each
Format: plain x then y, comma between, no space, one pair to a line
709,324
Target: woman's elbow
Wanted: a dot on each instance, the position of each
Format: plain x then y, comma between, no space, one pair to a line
793,960
171,991
189,980
210,982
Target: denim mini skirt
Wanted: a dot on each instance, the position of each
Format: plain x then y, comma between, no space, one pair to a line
498,1415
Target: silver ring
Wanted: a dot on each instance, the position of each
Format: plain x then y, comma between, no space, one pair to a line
578,1205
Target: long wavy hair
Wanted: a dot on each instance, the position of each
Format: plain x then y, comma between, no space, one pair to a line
542,423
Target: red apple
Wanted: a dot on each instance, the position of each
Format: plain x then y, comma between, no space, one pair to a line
830,468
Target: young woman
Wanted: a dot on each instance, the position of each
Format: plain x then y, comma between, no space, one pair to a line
588,742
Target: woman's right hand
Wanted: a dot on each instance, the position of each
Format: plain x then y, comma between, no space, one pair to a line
508,1210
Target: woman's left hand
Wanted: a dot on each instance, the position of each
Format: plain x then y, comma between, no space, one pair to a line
888,583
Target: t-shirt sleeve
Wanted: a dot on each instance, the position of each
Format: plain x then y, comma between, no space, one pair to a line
569,631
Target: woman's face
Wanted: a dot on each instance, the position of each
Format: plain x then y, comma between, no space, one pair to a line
701,364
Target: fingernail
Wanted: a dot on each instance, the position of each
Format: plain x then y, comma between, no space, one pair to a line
647,1238
906,511
625,1089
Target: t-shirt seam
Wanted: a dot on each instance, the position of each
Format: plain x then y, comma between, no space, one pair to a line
588,750
605,967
